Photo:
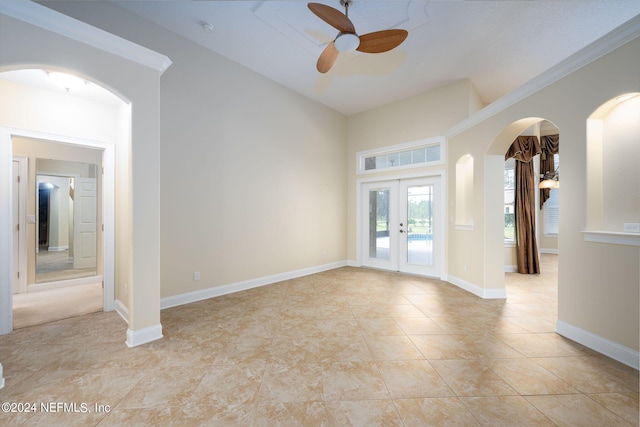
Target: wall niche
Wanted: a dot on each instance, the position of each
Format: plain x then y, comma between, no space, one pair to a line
613,176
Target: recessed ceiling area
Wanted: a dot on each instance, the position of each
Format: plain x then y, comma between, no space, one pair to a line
498,45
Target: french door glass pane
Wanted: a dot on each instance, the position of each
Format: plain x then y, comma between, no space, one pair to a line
420,225
379,224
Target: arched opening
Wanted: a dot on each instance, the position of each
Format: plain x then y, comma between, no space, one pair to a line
44,121
501,219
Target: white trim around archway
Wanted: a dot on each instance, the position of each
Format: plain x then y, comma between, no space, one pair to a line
6,235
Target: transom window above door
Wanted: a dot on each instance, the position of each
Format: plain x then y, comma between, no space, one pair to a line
402,156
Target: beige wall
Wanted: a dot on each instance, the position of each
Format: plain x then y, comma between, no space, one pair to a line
246,142
252,174
137,180
598,283
423,116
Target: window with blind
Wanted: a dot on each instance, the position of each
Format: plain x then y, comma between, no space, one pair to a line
551,207
509,201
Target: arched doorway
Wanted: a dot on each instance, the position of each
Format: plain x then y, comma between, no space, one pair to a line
545,210
58,123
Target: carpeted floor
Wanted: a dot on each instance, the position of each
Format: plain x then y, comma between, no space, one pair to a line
36,308
52,266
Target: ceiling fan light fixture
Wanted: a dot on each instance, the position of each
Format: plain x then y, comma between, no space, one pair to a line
347,42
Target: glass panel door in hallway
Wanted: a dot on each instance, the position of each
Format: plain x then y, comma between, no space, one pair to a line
380,208
400,225
419,243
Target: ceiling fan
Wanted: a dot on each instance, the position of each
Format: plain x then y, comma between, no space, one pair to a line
347,40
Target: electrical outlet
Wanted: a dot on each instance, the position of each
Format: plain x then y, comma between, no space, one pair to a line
196,275
631,227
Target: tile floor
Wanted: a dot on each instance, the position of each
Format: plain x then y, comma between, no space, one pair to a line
345,347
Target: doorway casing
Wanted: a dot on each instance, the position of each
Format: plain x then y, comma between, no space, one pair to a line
6,234
440,173
22,163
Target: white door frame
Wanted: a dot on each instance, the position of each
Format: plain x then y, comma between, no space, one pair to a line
443,203
21,281
392,185
6,233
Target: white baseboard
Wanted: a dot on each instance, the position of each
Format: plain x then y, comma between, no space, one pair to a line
549,251
122,310
1,377
597,343
144,335
189,297
57,248
477,290
352,263
510,268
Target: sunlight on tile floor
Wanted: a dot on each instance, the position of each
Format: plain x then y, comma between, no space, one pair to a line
345,347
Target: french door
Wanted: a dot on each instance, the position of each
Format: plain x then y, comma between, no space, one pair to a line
401,225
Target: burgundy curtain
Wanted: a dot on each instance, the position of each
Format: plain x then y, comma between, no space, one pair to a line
524,149
549,145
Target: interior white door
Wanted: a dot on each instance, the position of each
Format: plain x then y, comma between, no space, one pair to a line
401,226
84,223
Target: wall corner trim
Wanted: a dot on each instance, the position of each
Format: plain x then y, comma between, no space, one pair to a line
48,19
477,290
122,311
597,343
144,335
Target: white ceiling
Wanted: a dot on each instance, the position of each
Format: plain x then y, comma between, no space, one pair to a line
498,45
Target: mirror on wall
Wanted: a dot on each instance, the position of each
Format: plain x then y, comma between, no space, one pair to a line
66,220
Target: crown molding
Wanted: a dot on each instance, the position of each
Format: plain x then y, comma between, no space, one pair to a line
48,19
620,36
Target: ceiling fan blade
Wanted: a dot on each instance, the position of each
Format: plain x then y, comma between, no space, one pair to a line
327,58
381,41
333,17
